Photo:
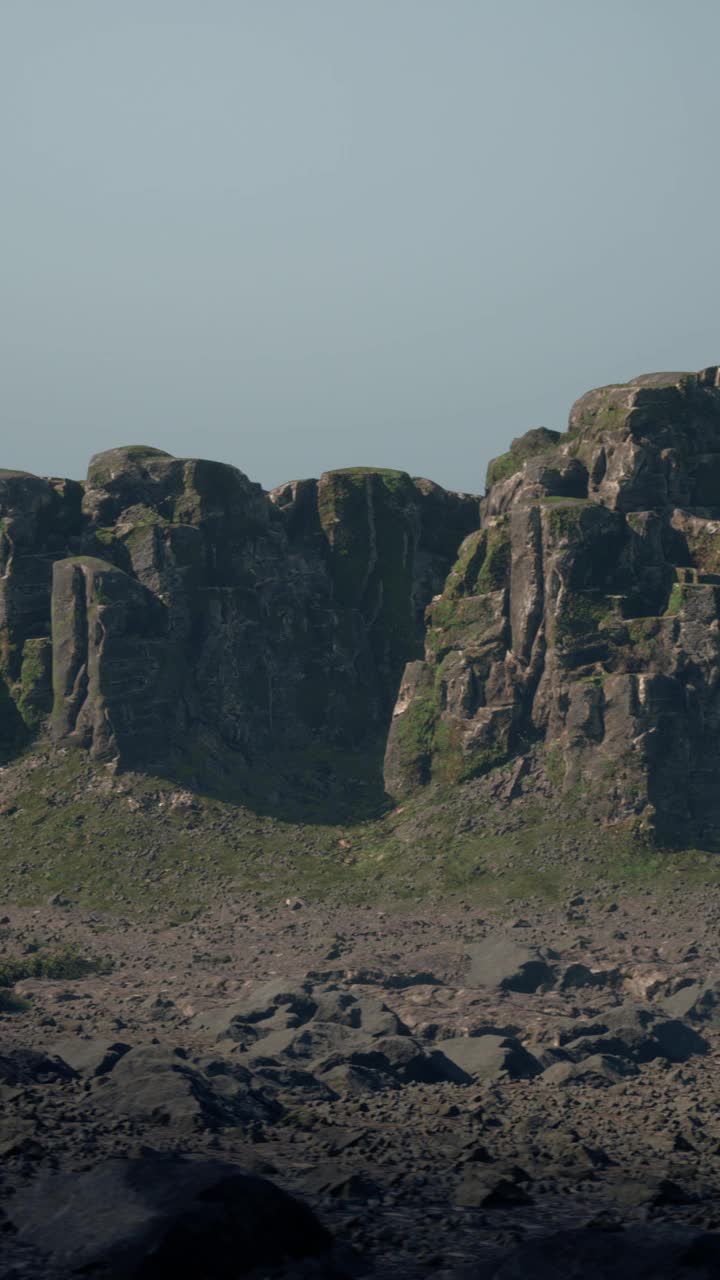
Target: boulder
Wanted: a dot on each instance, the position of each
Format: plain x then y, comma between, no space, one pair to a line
91,1057
507,965
596,1069
162,1087
490,1056
699,1002
30,1066
638,1034
158,1216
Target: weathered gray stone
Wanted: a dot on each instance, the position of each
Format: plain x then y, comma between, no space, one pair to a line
503,963
600,632
489,1056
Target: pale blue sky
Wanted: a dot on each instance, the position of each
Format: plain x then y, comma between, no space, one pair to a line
303,234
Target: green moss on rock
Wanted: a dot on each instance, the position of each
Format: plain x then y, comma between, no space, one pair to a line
35,692
502,468
495,569
537,441
580,616
451,623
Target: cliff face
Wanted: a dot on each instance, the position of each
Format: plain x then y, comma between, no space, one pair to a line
581,619
168,607
169,610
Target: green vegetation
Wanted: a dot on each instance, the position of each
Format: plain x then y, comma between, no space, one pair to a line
564,515
463,576
106,535
495,568
123,846
676,601
503,467
416,727
579,616
605,410
388,474
100,471
704,547
10,1003
483,563
35,694
64,963
535,443
453,622
555,766
644,635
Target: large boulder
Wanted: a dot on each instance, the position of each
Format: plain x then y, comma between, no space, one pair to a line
504,964
638,1034
161,1087
159,1216
490,1056
699,1002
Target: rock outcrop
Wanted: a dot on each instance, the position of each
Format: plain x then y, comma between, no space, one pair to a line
169,611
582,616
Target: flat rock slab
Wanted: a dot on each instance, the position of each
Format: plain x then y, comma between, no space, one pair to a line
503,963
91,1057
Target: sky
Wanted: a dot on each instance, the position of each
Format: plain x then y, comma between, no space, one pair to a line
303,234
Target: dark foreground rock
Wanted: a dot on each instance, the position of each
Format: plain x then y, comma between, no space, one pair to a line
597,1254
158,1217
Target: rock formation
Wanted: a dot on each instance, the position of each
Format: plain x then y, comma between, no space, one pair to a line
169,610
583,615
170,607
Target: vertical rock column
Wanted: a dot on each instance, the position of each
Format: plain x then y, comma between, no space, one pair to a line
112,672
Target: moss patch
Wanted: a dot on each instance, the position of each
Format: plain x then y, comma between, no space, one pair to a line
494,571
555,766
502,468
63,963
580,616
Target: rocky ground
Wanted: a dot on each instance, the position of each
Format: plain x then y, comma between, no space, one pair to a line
453,1094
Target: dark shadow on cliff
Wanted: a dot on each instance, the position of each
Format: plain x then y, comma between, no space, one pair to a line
318,784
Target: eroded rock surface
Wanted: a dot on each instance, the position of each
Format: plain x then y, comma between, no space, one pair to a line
169,609
583,615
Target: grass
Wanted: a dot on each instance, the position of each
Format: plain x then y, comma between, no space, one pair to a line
10,1003
63,964
117,844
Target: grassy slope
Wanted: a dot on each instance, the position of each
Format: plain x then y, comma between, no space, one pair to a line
131,845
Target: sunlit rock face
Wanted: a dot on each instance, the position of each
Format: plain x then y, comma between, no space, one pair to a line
582,616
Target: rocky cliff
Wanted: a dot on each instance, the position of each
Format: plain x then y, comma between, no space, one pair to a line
579,625
169,614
